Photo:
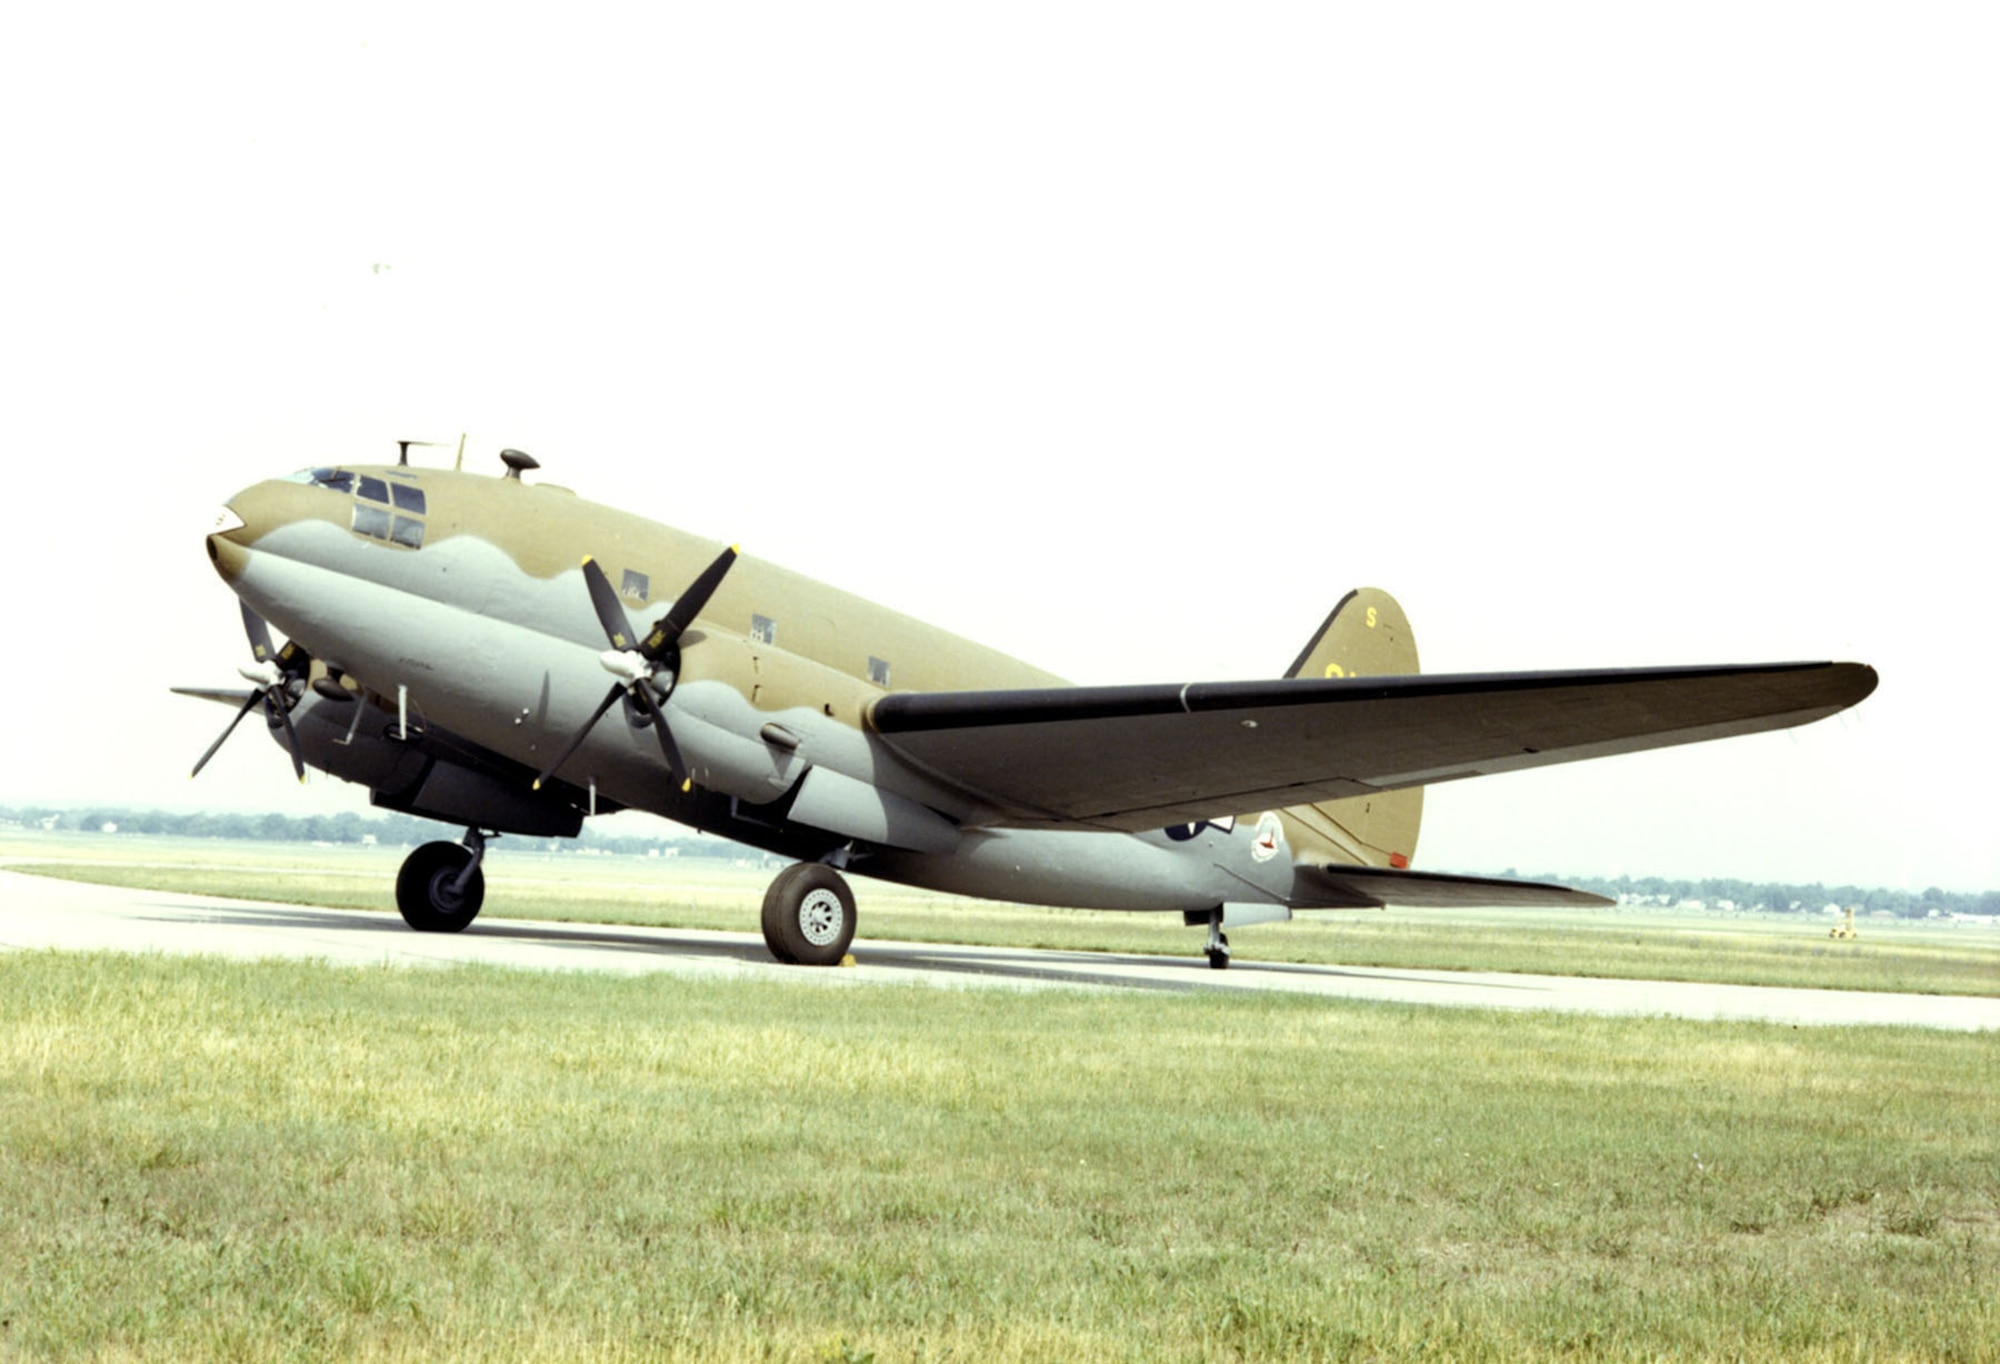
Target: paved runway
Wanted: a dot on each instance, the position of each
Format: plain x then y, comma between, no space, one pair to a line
39,913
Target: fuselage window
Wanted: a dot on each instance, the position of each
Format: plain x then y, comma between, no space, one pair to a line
878,671
408,532
374,489
408,499
763,629
635,586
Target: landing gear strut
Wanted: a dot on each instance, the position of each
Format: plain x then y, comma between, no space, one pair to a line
809,915
1218,942
440,888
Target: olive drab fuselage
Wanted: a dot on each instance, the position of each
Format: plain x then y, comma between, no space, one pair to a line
452,604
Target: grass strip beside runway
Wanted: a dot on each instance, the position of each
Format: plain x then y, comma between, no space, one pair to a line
284,1160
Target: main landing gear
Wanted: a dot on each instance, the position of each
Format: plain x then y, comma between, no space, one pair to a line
809,915
440,888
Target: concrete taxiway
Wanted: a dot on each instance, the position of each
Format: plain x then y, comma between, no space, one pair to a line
39,913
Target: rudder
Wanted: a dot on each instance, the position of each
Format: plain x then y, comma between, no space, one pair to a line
1366,635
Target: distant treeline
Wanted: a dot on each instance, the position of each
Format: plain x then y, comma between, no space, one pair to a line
390,830
1778,897
405,831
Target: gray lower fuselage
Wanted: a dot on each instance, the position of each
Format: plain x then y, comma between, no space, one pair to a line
456,639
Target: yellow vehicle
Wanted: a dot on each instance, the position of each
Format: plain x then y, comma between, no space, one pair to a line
1845,930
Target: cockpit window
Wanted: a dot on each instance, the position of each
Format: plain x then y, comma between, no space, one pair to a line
392,512
337,479
403,527
372,522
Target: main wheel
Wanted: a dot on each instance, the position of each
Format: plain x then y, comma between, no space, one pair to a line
1218,956
425,894
809,915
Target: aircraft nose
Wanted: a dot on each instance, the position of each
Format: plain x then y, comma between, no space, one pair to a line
241,522
224,549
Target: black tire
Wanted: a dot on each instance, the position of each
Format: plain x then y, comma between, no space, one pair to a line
809,915
424,889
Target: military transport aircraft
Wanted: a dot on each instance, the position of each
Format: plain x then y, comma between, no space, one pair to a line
447,640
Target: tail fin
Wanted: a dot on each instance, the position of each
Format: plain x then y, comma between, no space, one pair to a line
1366,635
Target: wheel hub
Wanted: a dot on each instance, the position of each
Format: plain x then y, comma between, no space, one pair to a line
442,894
820,917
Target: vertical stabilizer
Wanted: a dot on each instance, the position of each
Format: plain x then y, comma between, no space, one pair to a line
1366,635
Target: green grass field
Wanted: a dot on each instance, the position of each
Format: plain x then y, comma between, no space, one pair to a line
292,1161
1791,950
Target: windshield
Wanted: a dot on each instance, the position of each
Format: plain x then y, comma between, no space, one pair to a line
337,479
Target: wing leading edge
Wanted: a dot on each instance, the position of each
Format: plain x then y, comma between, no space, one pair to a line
1146,757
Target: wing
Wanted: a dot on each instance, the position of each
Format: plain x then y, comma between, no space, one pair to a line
1348,887
1137,758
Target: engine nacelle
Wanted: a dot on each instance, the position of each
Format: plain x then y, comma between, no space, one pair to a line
420,771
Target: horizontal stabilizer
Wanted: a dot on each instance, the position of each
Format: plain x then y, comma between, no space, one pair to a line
1345,887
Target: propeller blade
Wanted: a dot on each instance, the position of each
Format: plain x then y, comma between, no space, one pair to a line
669,750
248,704
260,633
291,734
610,611
576,740
669,628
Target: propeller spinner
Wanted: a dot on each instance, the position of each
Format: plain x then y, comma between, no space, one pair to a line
274,672
645,671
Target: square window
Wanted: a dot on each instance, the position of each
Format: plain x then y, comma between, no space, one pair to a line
636,586
372,522
408,499
374,489
408,532
878,671
763,629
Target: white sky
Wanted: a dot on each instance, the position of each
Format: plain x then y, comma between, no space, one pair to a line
1123,337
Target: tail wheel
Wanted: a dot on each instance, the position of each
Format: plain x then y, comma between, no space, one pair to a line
429,891
809,915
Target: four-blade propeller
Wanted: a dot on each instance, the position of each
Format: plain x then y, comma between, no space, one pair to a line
645,671
274,672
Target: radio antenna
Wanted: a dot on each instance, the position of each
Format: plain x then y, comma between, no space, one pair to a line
403,449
